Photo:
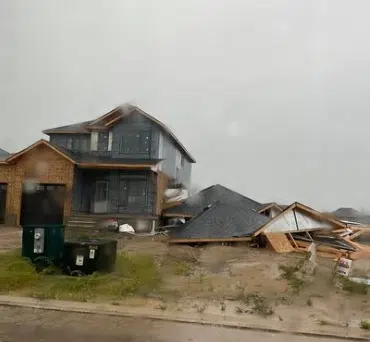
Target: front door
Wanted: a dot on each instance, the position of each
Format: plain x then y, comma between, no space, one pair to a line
101,197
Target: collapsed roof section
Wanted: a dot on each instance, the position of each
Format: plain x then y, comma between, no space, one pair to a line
220,221
299,217
215,193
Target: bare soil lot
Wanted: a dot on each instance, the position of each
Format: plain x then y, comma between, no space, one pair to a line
239,281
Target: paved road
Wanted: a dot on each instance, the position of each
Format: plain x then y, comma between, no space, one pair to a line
29,325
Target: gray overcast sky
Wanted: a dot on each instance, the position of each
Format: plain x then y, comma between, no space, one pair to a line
271,97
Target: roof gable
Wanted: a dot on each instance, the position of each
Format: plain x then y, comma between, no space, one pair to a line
107,120
126,110
299,217
215,193
271,206
220,220
16,156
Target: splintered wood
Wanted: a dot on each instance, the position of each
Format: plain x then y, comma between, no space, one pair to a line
279,242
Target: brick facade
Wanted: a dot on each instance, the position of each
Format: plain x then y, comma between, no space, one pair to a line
41,163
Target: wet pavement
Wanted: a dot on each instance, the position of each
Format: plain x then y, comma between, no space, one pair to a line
22,324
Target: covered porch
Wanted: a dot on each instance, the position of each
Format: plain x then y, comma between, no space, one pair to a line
114,191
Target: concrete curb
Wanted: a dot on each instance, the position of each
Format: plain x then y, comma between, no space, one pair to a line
133,312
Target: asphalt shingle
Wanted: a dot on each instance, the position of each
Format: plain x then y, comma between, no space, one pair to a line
3,154
79,127
215,193
220,220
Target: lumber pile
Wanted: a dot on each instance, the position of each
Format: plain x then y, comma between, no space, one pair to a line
333,244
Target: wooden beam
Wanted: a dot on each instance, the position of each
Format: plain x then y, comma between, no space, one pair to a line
241,239
179,215
118,166
292,239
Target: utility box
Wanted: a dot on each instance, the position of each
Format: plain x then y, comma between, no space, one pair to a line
43,245
88,256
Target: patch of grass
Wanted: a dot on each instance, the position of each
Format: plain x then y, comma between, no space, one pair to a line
16,272
182,268
365,325
201,307
134,275
259,304
289,273
350,286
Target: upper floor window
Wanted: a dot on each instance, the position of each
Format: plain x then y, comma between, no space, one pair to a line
94,141
135,142
69,143
77,144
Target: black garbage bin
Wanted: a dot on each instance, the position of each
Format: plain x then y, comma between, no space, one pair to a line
83,257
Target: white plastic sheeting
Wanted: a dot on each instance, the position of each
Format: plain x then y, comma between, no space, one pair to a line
126,228
175,195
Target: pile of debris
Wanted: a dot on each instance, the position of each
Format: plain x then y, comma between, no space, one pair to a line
218,214
298,228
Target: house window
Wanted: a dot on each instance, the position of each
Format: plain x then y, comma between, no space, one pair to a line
132,192
75,144
110,140
182,160
69,143
84,145
135,142
94,141
102,141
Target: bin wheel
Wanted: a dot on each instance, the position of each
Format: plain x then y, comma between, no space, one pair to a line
77,273
41,263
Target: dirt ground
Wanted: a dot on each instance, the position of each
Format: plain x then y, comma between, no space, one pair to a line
10,238
238,280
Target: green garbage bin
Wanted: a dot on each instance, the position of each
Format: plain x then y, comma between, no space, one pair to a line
43,244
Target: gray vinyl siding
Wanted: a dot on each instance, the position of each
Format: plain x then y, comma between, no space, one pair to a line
186,173
84,188
168,153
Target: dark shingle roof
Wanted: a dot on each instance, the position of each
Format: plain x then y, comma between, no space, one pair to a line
3,154
196,203
220,220
347,212
79,127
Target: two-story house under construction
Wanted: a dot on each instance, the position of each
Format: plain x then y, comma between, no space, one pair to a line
117,166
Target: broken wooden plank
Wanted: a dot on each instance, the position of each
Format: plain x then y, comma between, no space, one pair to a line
279,242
